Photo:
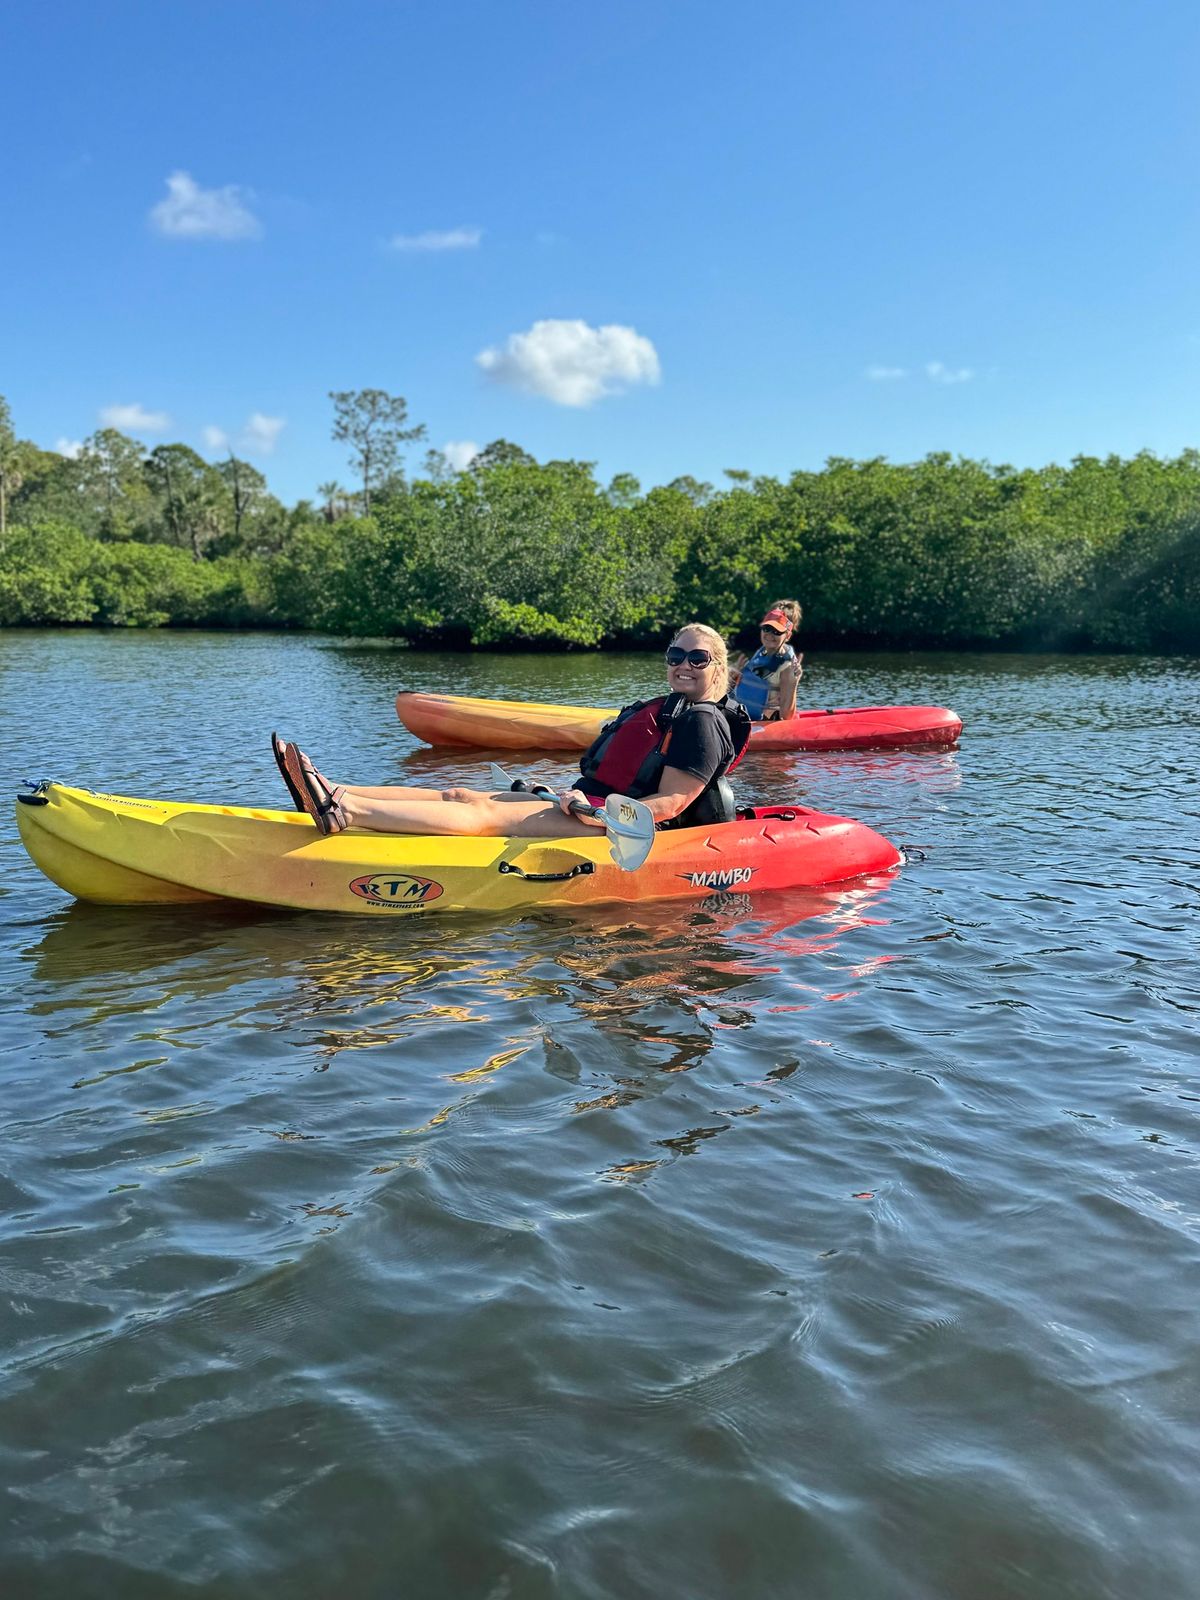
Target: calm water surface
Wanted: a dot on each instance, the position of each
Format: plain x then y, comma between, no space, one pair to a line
837,1247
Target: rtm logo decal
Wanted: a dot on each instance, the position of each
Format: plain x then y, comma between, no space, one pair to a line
726,878
396,890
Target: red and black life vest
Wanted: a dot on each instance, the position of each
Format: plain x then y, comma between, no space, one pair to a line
632,750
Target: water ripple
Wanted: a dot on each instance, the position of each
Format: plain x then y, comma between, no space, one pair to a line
831,1243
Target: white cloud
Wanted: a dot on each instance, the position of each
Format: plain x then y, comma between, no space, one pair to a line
258,437
460,453
72,448
886,374
261,434
450,239
135,419
571,363
190,212
940,373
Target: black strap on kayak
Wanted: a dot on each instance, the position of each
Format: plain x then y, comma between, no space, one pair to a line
581,869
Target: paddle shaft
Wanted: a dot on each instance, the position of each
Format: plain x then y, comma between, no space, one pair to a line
543,792
579,807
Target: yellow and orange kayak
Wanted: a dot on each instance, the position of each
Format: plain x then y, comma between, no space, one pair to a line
455,719
116,850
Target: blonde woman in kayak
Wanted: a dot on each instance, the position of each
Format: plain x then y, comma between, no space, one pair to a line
670,753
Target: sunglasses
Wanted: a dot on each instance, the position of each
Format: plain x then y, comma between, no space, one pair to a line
694,658
767,628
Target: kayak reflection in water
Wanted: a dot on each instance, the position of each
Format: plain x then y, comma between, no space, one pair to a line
766,684
672,753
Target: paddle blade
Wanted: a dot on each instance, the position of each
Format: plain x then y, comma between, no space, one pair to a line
500,778
630,828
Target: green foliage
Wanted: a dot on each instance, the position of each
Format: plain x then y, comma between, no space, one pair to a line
512,552
19,460
112,481
45,577
518,554
372,422
54,574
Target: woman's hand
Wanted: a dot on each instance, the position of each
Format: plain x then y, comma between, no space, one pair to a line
573,797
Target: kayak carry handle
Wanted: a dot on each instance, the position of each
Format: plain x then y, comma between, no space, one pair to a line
581,869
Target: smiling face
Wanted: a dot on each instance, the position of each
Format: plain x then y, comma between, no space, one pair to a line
704,682
772,638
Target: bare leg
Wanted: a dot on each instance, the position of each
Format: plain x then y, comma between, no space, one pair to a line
391,792
395,808
363,791
407,793
482,815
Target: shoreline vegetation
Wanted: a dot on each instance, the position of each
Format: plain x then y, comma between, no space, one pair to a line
513,553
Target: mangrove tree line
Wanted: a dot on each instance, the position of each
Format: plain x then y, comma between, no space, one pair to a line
510,551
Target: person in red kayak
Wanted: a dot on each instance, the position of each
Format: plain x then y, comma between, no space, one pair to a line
671,752
766,684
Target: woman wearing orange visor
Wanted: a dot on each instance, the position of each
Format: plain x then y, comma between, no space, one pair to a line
766,684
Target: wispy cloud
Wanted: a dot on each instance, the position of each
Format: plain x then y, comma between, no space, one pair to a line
571,363
261,434
460,453
449,239
935,371
190,212
258,437
69,447
938,372
135,419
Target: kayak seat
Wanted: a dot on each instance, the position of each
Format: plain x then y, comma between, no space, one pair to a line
716,804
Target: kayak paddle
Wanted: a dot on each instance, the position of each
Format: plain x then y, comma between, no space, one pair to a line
628,823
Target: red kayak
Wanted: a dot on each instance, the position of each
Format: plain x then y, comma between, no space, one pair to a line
455,719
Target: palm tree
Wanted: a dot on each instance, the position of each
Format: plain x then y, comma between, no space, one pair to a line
334,497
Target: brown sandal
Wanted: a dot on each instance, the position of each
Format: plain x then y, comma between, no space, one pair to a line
278,749
321,799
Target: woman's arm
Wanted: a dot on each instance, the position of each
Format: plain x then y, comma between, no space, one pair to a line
674,794
676,791
789,682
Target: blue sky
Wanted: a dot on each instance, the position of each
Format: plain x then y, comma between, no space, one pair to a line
667,238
